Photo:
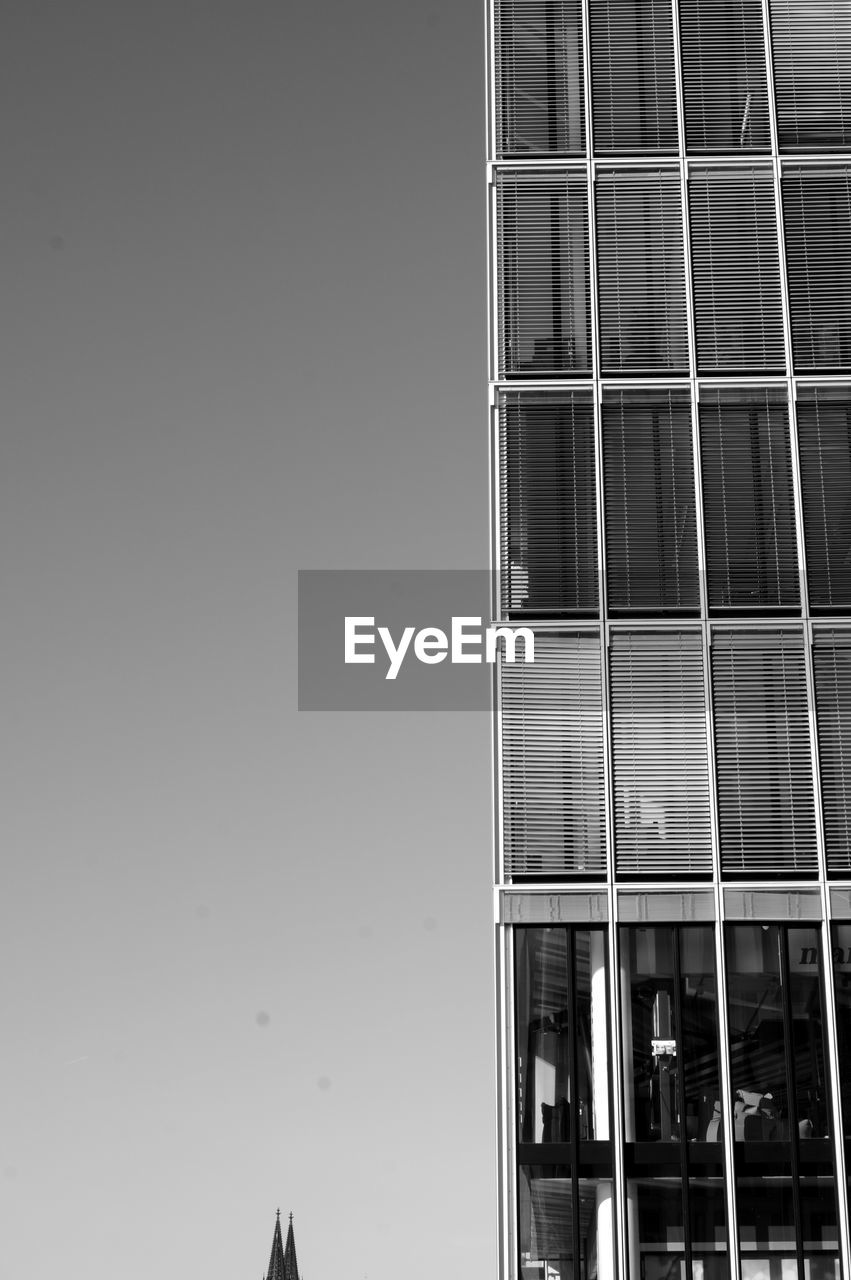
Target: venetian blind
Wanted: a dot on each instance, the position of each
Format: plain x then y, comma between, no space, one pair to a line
763,765
832,670
736,270
824,445
552,760
548,503
811,50
641,271
543,275
661,772
648,477
634,106
748,502
539,77
724,80
817,221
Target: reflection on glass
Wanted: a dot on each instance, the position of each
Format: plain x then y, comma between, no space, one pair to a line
561,999
564,1235
671,1070
841,939
540,83
785,1188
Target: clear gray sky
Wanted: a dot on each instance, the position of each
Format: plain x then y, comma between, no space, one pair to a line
247,952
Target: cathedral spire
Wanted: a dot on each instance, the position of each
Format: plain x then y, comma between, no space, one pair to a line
282,1263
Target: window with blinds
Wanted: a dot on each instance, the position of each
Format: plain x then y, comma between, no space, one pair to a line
661,772
824,445
548,503
633,94
543,275
649,494
539,77
817,221
832,671
763,767
724,81
811,50
736,270
748,502
641,271
551,732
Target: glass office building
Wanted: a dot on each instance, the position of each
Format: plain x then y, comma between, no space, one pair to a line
670,351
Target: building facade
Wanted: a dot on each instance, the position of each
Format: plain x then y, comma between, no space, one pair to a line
670,352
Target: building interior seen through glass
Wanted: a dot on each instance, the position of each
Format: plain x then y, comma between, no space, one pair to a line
672,1110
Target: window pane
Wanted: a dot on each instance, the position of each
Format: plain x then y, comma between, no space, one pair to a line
543,1035
824,443
593,1088
648,468
724,80
811,1111
841,938
540,89
832,672
571,1246
757,1044
549,503
811,46
699,1035
671,1072
748,503
817,219
766,1213
561,1010
552,759
736,269
764,774
641,272
632,52
661,769
543,283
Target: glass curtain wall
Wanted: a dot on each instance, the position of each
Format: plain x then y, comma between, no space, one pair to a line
670,350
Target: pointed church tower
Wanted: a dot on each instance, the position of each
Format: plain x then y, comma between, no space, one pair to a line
282,1263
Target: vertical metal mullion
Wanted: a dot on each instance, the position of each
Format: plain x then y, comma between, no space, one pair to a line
828,994
508,1246
683,167
616,1076
681,1100
786,1003
570,952
619,1215
503,969
726,1085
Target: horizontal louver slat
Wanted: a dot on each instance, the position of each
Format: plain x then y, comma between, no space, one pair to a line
748,501
811,50
634,106
724,80
736,270
824,445
763,765
648,477
552,760
548,503
539,77
641,272
817,221
543,275
832,670
661,773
